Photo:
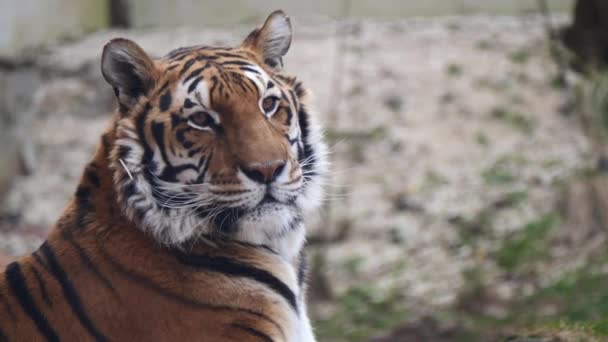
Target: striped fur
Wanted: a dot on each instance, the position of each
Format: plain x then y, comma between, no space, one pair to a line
188,223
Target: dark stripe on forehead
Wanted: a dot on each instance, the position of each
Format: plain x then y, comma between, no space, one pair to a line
194,83
239,79
228,55
182,51
246,68
233,62
214,83
194,73
186,66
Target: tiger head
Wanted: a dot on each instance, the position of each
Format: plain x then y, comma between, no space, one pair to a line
215,141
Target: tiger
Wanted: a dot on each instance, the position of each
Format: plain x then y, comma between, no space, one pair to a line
188,223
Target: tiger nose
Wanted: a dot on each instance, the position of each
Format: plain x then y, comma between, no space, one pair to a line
264,173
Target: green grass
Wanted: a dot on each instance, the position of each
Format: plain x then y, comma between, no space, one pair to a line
520,56
579,300
362,312
376,133
598,99
500,173
527,246
482,139
515,119
516,198
484,45
454,70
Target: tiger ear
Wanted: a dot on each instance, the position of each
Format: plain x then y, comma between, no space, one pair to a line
128,69
272,40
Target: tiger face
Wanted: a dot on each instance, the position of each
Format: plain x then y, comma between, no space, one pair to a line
215,142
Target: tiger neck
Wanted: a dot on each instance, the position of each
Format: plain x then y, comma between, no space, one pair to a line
95,210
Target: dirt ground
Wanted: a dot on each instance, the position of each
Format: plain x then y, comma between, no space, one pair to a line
449,137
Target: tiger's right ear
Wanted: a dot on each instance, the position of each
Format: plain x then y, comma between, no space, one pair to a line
128,69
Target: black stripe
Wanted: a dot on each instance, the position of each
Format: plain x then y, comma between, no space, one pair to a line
230,267
186,66
228,55
194,73
158,132
194,83
140,280
188,104
308,152
83,206
92,176
203,173
42,263
105,142
86,260
42,286
3,337
141,126
212,90
236,62
70,293
16,281
165,101
289,117
246,68
251,331
176,119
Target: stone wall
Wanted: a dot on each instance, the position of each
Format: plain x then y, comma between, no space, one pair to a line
31,23
26,24
155,13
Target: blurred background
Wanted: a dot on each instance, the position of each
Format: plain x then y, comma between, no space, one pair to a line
469,141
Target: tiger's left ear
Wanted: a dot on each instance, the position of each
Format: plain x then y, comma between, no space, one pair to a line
272,40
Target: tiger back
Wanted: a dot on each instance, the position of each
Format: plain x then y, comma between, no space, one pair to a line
188,222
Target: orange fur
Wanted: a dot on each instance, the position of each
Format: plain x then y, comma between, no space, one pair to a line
100,276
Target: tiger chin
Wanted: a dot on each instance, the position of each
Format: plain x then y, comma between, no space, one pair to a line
188,222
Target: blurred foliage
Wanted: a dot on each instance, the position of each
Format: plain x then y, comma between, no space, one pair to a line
598,99
362,312
514,119
527,246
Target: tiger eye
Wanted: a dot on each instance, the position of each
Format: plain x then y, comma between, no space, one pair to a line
269,103
200,119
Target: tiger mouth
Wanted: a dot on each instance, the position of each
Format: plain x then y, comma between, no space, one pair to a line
268,199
